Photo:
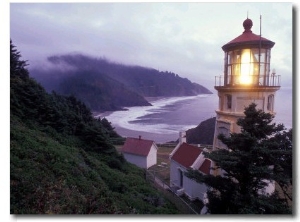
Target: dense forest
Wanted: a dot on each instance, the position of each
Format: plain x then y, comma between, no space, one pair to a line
63,161
103,85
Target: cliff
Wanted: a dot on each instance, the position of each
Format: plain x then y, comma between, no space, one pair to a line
203,133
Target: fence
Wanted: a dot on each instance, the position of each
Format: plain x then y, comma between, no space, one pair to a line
170,144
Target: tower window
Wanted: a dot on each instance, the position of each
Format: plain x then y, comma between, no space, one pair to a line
270,102
229,101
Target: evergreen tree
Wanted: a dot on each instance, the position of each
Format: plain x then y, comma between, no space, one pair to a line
17,66
260,153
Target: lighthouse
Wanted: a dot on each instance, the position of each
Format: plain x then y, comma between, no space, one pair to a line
247,79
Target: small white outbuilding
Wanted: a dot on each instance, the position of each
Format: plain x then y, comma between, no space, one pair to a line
141,152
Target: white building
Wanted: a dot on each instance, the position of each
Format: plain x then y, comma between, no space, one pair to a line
141,152
184,157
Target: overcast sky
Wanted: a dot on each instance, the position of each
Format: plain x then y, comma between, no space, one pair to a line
184,38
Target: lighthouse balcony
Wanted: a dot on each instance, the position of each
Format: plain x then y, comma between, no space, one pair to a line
249,81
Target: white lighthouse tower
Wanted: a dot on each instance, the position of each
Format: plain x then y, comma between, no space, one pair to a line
247,79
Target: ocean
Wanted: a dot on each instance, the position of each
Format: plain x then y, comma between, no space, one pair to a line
163,121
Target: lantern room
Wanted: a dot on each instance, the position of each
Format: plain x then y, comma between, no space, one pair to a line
247,61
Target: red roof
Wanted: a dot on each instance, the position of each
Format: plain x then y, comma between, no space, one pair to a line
205,167
137,146
248,38
186,154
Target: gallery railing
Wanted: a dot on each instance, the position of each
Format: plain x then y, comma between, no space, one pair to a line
250,80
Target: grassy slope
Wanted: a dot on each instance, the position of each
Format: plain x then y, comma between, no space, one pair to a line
62,160
51,174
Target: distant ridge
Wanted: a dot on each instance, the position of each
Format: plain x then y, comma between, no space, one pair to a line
203,133
105,85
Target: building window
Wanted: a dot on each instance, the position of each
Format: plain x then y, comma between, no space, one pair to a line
270,102
180,177
229,101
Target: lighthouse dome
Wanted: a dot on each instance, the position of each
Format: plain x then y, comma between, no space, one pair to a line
248,25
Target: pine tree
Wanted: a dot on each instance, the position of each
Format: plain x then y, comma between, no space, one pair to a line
260,153
17,66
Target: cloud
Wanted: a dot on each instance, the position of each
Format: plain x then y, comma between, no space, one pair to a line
185,38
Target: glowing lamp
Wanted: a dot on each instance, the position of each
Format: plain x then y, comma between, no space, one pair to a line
247,59
247,68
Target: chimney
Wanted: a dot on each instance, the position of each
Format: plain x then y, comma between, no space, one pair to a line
140,137
182,137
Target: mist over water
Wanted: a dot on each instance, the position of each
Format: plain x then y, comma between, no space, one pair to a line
163,121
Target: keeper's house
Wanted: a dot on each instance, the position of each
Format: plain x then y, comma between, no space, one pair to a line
182,158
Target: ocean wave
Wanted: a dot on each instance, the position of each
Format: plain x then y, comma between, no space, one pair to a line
168,116
156,118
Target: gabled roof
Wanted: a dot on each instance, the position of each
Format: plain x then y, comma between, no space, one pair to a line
186,154
205,167
137,146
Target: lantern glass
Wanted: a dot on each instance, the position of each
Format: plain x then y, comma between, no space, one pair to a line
246,66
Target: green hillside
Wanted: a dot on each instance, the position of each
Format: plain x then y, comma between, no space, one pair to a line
62,160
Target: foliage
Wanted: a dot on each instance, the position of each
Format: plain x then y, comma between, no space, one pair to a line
62,160
17,66
54,175
261,152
